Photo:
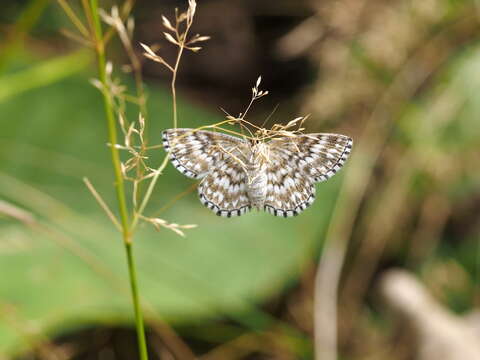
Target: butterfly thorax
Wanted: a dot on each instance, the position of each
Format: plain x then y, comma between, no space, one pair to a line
257,175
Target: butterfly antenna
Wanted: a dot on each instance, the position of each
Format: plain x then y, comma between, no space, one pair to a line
243,126
270,115
232,119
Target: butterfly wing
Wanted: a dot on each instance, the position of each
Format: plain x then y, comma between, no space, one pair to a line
217,158
296,163
196,152
223,190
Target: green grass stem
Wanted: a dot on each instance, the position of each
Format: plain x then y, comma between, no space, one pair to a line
119,183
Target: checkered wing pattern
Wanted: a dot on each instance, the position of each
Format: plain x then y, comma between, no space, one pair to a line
217,158
196,152
224,191
296,163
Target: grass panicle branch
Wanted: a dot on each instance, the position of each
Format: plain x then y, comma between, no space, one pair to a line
177,34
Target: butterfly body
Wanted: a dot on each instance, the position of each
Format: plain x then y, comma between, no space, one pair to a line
257,187
237,175
256,175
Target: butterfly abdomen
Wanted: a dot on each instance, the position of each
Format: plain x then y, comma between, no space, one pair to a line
257,186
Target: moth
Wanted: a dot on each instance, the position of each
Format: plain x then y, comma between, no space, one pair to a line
277,175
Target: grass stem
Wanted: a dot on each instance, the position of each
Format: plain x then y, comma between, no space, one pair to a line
173,86
119,183
142,342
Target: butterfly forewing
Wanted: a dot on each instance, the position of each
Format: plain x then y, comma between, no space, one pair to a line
316,155
196,152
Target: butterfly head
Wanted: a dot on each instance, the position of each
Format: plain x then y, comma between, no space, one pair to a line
254,142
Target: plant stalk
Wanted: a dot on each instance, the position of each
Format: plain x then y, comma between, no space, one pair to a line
119,183
173,86
142,342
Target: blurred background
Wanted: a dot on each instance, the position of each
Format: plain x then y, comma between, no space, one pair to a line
396,232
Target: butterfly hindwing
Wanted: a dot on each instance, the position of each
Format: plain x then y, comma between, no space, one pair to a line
224,191
289,192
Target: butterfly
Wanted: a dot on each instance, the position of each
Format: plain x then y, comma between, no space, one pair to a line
238,174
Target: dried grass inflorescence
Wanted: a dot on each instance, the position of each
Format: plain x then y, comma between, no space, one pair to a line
260,133
133,167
